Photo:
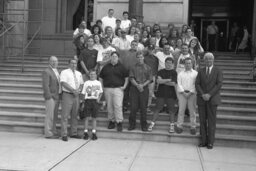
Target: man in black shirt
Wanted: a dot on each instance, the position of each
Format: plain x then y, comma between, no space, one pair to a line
166,94
115,79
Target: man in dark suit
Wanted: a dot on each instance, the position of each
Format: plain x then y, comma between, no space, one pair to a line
51,88
208,85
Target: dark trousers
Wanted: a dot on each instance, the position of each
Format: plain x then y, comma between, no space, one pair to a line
127,96
211,41
207,117
139,100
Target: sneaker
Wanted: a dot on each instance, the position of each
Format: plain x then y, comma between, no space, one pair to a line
150,127
111,125
179,130
86,136
119,127
193,131
171,130
94,136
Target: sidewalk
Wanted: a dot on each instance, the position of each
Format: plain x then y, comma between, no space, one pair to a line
21,151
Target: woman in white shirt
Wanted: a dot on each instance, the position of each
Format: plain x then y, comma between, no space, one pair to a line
131,33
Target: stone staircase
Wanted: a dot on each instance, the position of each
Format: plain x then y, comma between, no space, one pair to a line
22,104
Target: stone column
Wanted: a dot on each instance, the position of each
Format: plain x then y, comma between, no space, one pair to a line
136,9
254,30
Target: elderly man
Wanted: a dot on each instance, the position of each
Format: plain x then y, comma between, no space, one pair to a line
140,77
187,96
52,89
208,85
71,81
114,77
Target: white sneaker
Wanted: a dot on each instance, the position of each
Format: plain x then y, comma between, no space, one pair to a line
150,127
171,130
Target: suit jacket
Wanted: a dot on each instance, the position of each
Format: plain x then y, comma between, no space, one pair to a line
50,84
211,85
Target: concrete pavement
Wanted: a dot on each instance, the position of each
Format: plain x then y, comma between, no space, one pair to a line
33,152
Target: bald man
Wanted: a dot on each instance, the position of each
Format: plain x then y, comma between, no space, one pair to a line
208,85
51,88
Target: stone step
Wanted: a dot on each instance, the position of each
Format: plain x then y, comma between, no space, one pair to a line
22,100
156,135
238,83
18,86
238,103
244,90
238,96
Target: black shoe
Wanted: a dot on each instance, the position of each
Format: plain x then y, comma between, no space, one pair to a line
193,131
65,138
130,128
86,136
75,136
210,146
53,137
94,136
111,125
144,129
178,130
119,127
202,145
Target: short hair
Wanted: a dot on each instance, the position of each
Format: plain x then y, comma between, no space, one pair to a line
134,41
184,44
166,44
69,61
188,59
52,57
126,12
118,20
139,53
134,18
169,59
90,37
112,53
110,10
158,30
98,21
208,54
92,70
81,26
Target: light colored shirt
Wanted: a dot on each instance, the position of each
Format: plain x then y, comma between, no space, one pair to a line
130,38
140,47
125,24
92,89
67,76
104,54
86,31
157,41
98,47
161,57
181,63
122,44
108,21
186,81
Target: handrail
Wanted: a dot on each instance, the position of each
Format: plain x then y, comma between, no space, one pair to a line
8,29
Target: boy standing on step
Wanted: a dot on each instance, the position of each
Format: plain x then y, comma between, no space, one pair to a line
92,91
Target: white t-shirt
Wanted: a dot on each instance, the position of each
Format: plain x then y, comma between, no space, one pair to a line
181,63
86,31
67,76
92,89
161,58
140,47
125,24
130,38
122,44
104,54
107,21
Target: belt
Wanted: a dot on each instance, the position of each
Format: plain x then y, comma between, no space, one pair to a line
67,92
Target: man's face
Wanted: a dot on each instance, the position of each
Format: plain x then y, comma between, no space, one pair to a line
73,64
81,30
118,23
90,42
114,59
93,75
109,31
110,13
133,21
123,35
166,49
136,37
188,65
140,59
125,16
84,23
158,33
134,45
168,65
152,41
184,49
209,61
53,62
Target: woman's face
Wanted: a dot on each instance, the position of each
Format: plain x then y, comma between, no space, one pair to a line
96,39
189,32
179,42
184,28
174,33
119,32
133,29
164,41
82,39
193,43
145,34
96,30
109,31
173,43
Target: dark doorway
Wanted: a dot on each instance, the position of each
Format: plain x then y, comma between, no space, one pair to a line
225,12
79,14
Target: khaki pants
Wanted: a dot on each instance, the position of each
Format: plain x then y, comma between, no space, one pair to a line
70,106
114,98
51,115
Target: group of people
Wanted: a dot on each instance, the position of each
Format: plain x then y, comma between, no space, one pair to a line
131,66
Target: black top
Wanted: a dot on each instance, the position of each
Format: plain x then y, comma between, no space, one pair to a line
89,57
166,91
113,75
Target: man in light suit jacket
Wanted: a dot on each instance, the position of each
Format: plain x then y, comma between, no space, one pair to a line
208,85
51,88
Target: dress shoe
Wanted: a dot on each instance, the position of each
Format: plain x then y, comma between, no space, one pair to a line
75,136
202,145
65,138
210,146
144,129
94,136
193,131
53,137
86,136
111,125
178,130
119,127
130,128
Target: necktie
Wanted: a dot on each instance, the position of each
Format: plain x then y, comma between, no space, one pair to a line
208,72
76,81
